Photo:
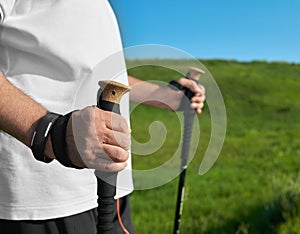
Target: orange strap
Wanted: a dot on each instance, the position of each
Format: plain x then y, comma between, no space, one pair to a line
120,219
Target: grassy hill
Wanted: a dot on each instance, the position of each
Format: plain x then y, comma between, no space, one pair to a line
254,187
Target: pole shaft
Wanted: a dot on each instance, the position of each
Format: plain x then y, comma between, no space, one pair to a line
193,74
188,127
109,97
106,189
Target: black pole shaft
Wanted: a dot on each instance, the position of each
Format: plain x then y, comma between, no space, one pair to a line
188,127
179,204
189,114
106,182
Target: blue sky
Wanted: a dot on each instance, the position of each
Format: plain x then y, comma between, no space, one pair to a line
242,30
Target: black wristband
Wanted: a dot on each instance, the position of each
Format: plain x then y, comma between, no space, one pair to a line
58,138
40,136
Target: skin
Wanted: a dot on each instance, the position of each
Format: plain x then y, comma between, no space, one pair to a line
103,138
141,92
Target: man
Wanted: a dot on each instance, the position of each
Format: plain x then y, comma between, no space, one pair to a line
47,48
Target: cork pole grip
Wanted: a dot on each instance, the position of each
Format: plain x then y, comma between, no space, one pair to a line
112,91
194,73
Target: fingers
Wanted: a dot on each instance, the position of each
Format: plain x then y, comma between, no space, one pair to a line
193,86
116,139
98,139
197,101
111,159
109,166
115,153
112,129
112,121
197,107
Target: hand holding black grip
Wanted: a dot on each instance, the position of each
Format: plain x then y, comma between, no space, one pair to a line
109,96
193,74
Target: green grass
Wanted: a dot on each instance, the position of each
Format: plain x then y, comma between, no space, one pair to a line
255,185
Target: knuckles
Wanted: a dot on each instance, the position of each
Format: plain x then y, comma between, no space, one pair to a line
103,139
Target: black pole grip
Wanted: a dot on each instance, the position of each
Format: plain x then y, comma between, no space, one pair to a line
189,113
106,185
108,99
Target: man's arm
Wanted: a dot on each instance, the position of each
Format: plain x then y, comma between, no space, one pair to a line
101,139
19,114
165,97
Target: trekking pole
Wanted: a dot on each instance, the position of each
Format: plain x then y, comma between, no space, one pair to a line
193,74
110,94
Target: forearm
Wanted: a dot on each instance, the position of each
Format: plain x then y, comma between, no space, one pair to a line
153,94
19,113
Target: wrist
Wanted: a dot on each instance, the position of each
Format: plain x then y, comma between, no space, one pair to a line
72,151
59,135
49,149
29,133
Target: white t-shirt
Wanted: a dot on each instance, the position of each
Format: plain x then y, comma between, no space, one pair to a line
55,51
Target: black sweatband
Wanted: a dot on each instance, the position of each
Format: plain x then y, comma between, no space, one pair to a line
40,136
58,138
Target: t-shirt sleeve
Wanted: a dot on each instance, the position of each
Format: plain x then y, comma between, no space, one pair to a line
6,7
1,14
